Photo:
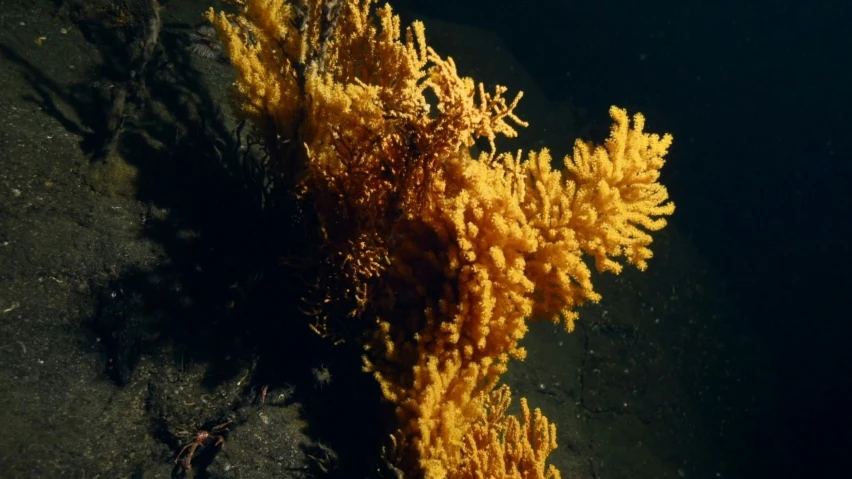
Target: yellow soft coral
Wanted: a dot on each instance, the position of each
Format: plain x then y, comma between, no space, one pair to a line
618,194
443,256
506,239
499,446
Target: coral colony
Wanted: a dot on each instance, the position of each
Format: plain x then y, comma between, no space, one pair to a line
441,256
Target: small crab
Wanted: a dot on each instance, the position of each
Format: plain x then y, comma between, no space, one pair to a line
201,438
323,456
